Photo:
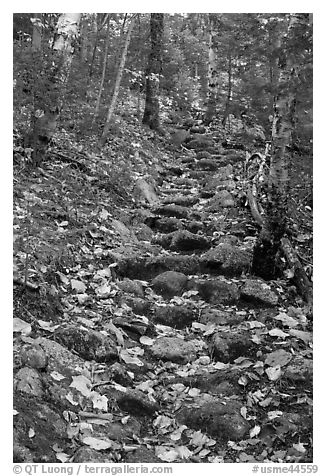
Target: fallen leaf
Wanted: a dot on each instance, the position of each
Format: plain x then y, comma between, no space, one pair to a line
63,457
176,434
21,326
146,340
57,376
303,335
278,358
255,431
82,384
168,455
47,326
287,320
97,443
299,447
273,373
99,401
194,392
277,333
274,414
78,286
128,359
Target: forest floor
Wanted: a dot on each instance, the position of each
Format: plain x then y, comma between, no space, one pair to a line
140,334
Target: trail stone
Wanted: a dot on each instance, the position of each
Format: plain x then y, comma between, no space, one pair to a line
175,170
172,211
124,232
136,403
139,306
89,344
84,454
181,200
176,316
226,259
200,143
218,185
194,226
226,347
259,292
59,358
132,287
207,164
32,355
119,374
221,419
174,349
167,224
203,154
29,381
170,283
300,370
142,267
216,291
216,316
198,129
230,239
143,232
145,191
183,240
221,199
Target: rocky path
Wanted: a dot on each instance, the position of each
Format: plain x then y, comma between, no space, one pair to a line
200,361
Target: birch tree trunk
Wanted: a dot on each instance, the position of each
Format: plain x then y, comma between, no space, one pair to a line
45,124
229,92
117,81
154,69
212,71
275,227
105,61
37,32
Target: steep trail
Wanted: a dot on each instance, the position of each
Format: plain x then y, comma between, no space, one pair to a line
201,365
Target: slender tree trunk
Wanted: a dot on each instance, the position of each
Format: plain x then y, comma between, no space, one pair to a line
44,126
118,81
212,71
37,32
229,92
154,69
105,61
275,227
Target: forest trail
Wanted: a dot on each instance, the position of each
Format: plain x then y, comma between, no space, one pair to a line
171,350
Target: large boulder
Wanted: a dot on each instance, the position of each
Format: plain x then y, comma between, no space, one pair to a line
183,240
221,199
174,349
219,418
258,292
170,283
216,291
228,346
144,191
172,211
226,259
176,316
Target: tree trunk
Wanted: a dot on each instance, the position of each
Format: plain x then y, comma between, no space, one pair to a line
153,72
265,260
118,81
105,61
37,32
44,126
229,92
212,71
